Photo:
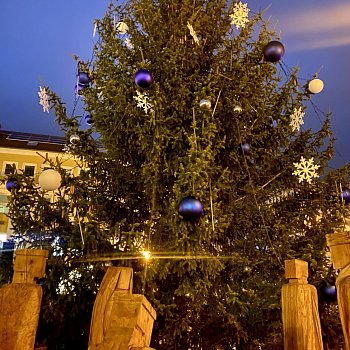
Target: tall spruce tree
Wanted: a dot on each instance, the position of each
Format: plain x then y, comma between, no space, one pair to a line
215,124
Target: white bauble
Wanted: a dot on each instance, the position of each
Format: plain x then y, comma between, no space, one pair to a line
205,104
315,86
74,139
237,109
122,28
50,180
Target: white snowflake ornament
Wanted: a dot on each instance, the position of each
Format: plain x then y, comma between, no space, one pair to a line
296,119
44,99
143,102
193,33
240,15
306,170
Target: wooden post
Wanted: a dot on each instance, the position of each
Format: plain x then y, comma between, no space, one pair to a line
301,323
339,245
120,319
29,265
20,301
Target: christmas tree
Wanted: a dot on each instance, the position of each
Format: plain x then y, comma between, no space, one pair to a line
200,159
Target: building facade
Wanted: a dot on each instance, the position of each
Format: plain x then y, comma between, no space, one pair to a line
27,152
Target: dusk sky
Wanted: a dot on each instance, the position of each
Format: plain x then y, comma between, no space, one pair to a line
39,39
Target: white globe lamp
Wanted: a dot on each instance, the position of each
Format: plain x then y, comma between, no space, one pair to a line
315,86
50,180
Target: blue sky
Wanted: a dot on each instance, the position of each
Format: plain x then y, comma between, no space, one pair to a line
40,37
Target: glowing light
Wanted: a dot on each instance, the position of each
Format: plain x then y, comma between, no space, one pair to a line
146,254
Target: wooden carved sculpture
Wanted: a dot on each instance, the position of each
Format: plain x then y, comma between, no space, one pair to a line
339,244
301,323
120,320
20,301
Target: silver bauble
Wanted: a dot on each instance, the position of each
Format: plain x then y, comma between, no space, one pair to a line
74,139
205,104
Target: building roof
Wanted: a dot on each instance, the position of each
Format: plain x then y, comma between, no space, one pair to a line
23,140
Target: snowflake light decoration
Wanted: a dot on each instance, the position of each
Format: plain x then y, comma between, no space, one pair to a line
44,99
296,119
306,170
143,102
193,33
240,15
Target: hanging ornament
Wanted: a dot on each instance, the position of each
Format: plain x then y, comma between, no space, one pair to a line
244,148
205,104
315,86
306,169
11,184
122,28
74,139
50,180
273,51
88,119
143,102
328,292
345,195
237,109
296,119
193,33
240,15
143,78
83,78
44,99
190,208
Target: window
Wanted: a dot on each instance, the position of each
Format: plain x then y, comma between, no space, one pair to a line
29,169
9,168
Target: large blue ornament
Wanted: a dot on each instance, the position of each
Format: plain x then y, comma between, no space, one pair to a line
11,184
83,78
345,195
328,293
88,119
273,51
143,78
190,208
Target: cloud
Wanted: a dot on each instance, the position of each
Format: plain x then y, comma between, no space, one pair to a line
319,43
316,21
316,29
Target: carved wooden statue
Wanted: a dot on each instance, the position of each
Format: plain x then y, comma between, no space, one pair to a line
120,320
339,244
20,301
301,323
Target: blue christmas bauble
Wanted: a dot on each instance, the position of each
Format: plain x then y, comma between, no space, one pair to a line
328,292
345,195
11,184
244,148
143,78
88,119
83,78
273,51
190,208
